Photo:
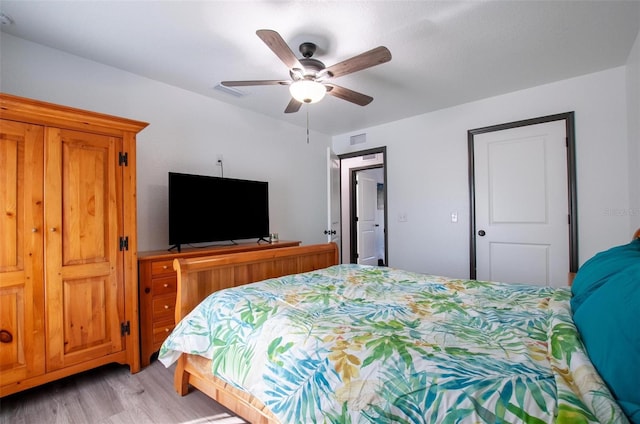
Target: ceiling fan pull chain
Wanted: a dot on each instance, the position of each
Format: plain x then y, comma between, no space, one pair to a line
307,107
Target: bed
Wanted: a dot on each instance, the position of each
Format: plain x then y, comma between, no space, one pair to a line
320,342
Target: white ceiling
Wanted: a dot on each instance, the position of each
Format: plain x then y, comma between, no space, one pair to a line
444,52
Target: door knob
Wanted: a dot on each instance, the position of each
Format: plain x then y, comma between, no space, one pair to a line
481,233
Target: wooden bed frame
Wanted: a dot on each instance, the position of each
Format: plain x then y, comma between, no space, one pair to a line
199,277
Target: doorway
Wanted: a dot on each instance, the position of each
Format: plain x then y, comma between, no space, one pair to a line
523,201
367,220
365,240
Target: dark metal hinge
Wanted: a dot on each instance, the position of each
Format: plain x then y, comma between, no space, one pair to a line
123,159
124,243
125,328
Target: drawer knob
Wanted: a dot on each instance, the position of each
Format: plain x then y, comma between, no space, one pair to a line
166,306
164,267
166,285
147,290
5,336
166,330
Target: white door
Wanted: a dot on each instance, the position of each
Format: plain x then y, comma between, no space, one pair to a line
366,208
521,194
333,198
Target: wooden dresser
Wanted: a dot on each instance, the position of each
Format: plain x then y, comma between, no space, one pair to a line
157,289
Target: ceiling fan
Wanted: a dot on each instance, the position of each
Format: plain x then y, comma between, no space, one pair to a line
310,78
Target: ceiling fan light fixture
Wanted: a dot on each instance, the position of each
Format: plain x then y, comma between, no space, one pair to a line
307,91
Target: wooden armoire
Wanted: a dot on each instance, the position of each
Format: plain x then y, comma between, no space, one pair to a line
68,265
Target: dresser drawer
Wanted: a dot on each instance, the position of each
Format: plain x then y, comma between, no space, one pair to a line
161,330
162,267
164,307
164,285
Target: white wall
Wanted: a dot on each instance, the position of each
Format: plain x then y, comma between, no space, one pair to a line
187,132
633,107
427,174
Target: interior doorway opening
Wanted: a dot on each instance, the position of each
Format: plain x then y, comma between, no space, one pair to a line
363,194
367,220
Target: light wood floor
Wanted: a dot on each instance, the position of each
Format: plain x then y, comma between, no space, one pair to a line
111,394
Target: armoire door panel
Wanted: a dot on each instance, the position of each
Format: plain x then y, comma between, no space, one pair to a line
12,304
87,323
89,185
21,251
82,220
11,153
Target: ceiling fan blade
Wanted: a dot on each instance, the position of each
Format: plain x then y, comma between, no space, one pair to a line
364,60
293,106
275,42
255,82
348,95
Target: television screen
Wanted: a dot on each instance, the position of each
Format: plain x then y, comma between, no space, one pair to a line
206,209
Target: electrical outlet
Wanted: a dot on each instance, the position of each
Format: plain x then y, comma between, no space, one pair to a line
402,217
454,217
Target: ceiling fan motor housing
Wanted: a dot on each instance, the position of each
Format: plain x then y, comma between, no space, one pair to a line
311,67
307,49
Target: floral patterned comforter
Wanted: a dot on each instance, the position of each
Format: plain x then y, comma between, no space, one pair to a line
360,344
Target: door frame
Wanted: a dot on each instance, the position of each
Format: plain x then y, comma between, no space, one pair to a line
378,150
569,119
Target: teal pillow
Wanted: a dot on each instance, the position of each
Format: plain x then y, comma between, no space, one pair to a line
609,323
597,270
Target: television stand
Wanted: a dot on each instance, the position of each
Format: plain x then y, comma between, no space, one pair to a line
157,283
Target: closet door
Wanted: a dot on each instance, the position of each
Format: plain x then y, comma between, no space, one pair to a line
21,250
85,293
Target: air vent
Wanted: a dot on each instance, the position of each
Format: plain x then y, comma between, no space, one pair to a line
369,157
358,139
230,90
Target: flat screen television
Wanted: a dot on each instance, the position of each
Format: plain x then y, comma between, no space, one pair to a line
210,209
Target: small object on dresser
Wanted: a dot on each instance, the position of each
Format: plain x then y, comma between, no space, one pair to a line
273,238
